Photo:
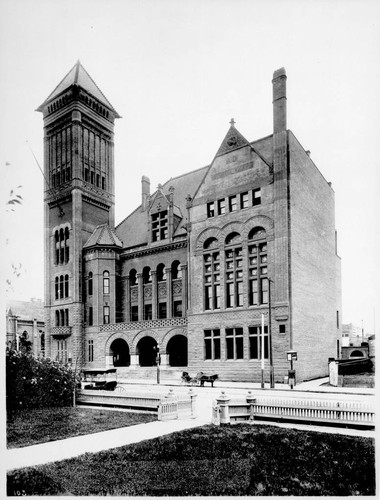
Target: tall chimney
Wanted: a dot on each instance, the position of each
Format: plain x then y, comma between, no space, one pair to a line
279,100
145,192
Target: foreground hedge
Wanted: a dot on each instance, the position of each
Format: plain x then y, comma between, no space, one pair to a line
239,460
37,383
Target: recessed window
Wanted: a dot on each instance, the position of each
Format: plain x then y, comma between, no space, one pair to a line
106,315
148,311
90,284
134,313
256,197
244,200
106,283
232,203
282,328
221,206
212,344
90,316
234,343
258,284
212,278
177,309
256,340
211,209
90,350
162,313
160,226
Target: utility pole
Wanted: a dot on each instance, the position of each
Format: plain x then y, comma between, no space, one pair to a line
271,367
262,351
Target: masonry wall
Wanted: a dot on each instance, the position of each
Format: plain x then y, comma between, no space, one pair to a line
313,265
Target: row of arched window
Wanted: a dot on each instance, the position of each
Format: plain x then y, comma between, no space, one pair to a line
237,268
62,317
176,273
62,246
61,287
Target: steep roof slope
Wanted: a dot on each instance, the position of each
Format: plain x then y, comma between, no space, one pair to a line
133,230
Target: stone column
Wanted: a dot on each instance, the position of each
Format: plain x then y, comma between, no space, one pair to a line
140,285
154,294
169,292
126,299
184,289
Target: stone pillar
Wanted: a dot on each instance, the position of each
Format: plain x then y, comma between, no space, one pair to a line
251,400
154,294
184,289
223,401
169,292
134,360
164,359
140,285
126,299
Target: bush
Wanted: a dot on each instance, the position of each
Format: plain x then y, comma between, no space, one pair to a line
37,383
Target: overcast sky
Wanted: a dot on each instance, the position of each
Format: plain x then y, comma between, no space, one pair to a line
177,72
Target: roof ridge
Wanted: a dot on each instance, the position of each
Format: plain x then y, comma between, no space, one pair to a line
183,175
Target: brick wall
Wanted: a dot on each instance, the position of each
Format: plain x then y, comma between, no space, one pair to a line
313,265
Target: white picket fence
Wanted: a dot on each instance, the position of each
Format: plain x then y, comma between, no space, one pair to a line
329,412
167,407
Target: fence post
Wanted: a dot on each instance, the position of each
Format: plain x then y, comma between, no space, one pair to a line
251,401
223,402
193,398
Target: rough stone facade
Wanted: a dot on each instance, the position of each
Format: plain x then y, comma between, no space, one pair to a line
190,276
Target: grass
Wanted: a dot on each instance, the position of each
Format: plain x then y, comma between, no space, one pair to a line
237,460
40,426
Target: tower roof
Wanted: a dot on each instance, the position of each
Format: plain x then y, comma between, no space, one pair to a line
79,76
103,236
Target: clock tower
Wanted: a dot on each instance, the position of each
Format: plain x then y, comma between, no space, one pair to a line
78,197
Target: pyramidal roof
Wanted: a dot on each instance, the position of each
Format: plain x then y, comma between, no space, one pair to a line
103,236
233,140
79,76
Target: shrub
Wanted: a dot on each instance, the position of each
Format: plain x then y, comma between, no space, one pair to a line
37,383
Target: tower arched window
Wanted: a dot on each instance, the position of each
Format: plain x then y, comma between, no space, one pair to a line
257,265
56,247
61,287
106,282
61,246
66,285
56,288
211,274
57,322
67,245
233,255
90,283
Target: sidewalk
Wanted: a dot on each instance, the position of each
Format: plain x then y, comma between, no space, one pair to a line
72,447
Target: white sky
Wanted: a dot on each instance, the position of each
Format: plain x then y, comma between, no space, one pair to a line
177,71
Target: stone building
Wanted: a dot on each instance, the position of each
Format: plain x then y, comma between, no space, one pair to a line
25,325
191,272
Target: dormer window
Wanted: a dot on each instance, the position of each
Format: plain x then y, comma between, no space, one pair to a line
160,226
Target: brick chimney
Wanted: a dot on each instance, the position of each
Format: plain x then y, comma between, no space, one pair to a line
279,100
145,192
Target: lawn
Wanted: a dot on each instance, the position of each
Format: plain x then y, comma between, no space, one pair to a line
237,460
39,426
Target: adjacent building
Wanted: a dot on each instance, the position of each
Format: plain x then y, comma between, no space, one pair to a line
191,273
25,325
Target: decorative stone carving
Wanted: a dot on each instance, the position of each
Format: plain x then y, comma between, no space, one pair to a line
147,291
162,290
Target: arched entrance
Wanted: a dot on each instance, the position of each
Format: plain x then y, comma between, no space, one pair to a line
147,351
177,350
119,350
357,354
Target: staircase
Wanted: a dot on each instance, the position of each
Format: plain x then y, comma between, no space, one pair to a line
148,375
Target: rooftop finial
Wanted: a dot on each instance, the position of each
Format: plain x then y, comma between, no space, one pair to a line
232,122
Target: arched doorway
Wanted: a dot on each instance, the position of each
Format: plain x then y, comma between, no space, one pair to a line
147,351
356,354
177,350
119,350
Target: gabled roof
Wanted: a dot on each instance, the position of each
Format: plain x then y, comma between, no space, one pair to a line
133,230
79,76
233,140
103,236
26,310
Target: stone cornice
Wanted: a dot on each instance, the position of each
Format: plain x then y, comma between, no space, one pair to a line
132,254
